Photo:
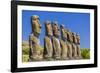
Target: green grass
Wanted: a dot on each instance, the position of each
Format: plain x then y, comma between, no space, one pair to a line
25,51
85,53
25,58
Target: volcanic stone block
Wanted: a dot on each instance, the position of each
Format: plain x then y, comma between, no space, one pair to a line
78,46
56,42
36,51
74,45
64,48
48,48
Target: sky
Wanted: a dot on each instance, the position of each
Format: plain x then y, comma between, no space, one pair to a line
76,22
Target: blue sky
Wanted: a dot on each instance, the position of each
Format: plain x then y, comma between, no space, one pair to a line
76,22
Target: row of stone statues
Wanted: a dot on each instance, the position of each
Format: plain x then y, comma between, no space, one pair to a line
55,47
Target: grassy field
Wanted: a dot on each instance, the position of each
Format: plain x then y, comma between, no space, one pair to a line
85,52
25,58
25,51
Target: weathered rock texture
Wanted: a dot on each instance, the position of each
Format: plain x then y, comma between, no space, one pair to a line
59,43
48,48
64,47
56,41
36,51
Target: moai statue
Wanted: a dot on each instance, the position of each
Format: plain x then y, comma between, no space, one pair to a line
56,41
69,44
63,40
74,47
78,46
36,26
48,48
36,51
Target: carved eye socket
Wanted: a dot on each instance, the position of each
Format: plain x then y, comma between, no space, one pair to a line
55,24
38,18
40,27
34,19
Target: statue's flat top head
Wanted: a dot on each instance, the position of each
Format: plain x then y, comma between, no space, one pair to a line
62,26
48,27
47,22
35,17
77,35
72,33
55,23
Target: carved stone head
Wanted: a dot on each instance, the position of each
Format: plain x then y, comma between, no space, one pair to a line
78,38
48,27
63,32
71,36
56,31
62,26
74,37
36,26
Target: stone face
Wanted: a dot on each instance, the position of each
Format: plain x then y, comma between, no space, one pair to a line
56,31
48,48
70,37
48,27
74,38
36,26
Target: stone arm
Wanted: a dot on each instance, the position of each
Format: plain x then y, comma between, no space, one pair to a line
54,46
30,45
64,34
45,46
